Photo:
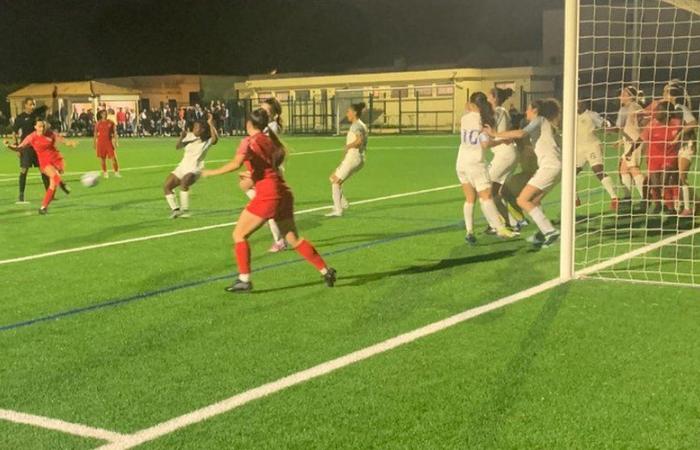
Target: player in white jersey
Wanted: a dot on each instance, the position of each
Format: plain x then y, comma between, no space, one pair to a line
548,171
472,170
353,161
274,110
196,144
505,155
589,149
629,119
675,93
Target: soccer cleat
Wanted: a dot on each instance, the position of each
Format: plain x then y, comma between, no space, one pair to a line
550,238
185,214
521,224
175,213
330,276
686,213
21,201
117,175
470,239
505,233
536,239
489,230
278,246
43,211
239,287
334,214
614,204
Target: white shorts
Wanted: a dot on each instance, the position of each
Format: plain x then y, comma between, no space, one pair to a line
545,178
635,159
505,158
474,173
183,169
687,151
353,162
588,153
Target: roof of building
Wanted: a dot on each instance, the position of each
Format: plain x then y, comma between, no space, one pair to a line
74,88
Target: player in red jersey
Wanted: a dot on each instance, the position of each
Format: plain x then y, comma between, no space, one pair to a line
43,140
262,156
661,137
106,144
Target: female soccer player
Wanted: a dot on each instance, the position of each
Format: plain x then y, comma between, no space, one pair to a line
106,143
505,156
629,123
262,156
471,166
589,149
196,144
662,157
44,141
548,171
675,93
354,160
274,111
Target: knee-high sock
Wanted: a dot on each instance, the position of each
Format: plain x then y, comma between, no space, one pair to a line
250,193
686,197
50,192
22,184
337,197
607,183
469,216
309,253
242,250
639,184
274,229
488,207
170,198
541,220
103,165
626,184
185,200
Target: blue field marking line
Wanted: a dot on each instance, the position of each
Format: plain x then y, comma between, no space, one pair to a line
149,294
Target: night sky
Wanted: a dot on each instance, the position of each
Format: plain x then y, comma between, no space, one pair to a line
74,40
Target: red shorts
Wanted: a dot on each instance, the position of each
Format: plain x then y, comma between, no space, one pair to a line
662,163
54,159
277,205
105,150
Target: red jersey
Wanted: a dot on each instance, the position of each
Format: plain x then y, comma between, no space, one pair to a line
662,152
104,130
263,158
121,117
45,147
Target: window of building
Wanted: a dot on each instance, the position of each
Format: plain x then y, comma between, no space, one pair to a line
445,91
399,92
425,91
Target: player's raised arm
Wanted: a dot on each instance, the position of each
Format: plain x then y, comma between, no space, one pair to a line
212,129
180,141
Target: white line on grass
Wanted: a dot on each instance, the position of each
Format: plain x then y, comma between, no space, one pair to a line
172,425
207,227
60,425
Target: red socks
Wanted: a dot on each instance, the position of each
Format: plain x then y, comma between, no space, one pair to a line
48,196
309,253
242,250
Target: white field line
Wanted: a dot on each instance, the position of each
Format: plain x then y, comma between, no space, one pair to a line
59,425
13,177
199,415
207,227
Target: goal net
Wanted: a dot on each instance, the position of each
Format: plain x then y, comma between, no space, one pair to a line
637,182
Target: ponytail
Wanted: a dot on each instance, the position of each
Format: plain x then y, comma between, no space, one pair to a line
485,109
358,108
501,95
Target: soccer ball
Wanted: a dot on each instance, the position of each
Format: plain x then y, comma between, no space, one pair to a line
90,179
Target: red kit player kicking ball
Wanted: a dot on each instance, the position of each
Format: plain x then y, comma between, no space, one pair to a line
262,155
106,144
43,141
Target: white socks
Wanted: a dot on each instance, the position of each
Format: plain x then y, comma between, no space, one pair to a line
170,198
685,189
185,200
639,184
244,277
627,184
469,217
607,183
488,207
541,220
274,229
337,192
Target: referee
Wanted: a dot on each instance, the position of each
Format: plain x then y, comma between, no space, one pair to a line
24,125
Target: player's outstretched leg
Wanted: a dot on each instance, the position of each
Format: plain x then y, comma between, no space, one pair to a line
530,201
608,185
246,225
187,181
55,178
307,251
170,183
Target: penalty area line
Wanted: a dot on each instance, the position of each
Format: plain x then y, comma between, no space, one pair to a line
236,401
48,423
206,228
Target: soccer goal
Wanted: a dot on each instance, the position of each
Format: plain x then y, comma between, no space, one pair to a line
630,184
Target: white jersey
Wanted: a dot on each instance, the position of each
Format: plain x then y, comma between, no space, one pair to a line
547,151
588,122
358,129
502,118
472,135
194,153
273,127
628,121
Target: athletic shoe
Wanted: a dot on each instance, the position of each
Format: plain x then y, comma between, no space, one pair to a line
490,231
550,238
278,246
185,214
505,233
330,277
614,204
344,203
536,239
239,287
43,211
334,214
470,239
686,213
21,201
175,213
520,224
117,175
